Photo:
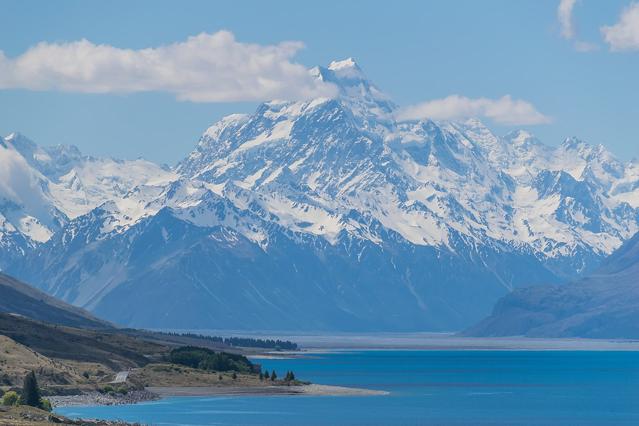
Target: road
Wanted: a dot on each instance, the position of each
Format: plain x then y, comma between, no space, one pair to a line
121,377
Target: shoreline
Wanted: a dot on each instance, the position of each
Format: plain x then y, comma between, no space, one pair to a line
97,398
308,390
155,393
325,344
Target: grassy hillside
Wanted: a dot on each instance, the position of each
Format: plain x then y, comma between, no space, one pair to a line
17,360
20,298
115,350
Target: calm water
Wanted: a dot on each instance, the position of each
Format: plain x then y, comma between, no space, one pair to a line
427,387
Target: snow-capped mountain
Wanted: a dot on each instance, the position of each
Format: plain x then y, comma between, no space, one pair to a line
41,189
327,213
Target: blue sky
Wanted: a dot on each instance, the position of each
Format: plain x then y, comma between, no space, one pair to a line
582,80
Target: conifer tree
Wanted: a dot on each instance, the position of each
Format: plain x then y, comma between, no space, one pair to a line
273,376
31,391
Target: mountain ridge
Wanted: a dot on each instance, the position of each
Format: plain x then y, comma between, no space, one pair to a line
600,305
326,180
19,298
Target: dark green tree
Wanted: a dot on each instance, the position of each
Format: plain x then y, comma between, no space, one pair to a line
30,390
273,376
234,375
266,375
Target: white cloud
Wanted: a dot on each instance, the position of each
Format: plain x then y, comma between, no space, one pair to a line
584,46
504,110
624,35
204,68
564,14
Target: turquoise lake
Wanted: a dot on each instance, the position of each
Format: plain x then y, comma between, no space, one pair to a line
426,387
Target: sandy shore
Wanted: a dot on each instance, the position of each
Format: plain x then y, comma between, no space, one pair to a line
310,390
155,393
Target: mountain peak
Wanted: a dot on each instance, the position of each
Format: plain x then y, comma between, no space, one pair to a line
521,138
355,87
348,63
574,142
23,145
342,73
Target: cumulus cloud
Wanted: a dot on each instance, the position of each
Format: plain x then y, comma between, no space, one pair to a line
204,68
504,110
564,14
624,35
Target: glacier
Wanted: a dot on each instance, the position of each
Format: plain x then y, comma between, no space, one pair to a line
324,214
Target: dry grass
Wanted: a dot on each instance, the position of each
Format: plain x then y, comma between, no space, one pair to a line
55,376
17,360
172,375
108,347
30,416
27,416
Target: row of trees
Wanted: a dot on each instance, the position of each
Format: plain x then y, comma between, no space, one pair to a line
245,342
30,395
290,376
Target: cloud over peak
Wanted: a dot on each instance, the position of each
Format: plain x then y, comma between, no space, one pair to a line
504,110
204,68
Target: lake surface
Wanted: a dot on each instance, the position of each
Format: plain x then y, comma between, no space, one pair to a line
426,387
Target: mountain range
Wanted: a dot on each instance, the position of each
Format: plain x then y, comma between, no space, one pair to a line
325,214
604,304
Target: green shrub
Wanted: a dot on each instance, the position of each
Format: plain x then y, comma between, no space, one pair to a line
45,404
10,398
107,389
206,359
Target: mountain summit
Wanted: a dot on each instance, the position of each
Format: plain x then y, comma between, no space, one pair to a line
321,214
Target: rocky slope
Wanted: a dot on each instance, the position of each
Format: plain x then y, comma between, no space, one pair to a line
604,304
22,299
